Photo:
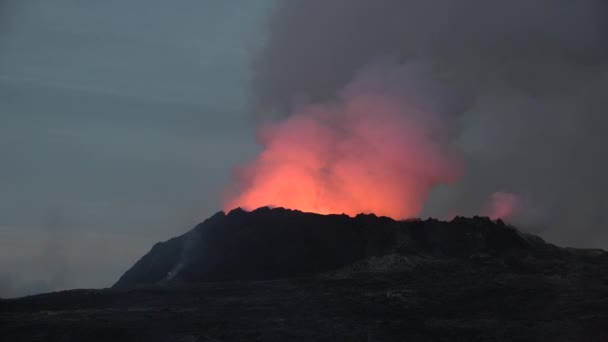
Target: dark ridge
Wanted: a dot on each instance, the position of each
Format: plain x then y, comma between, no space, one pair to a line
280,243
363,278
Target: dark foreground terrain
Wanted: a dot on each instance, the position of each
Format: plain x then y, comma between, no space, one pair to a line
280,275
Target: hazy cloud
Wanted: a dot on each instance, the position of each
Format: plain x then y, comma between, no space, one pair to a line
532,73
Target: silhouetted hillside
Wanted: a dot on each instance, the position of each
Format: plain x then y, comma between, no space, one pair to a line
276,243
365,278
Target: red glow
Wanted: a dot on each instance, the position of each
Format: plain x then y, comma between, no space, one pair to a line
503,205
369,152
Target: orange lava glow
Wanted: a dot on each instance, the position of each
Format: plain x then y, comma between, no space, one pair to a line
370,151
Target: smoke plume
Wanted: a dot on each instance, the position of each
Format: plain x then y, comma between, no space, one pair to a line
531,76
503,205
380,147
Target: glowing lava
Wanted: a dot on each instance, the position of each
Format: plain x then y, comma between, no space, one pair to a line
378,148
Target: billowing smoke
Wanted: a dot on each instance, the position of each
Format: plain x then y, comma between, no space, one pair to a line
519,209
503,205
533,74
379,147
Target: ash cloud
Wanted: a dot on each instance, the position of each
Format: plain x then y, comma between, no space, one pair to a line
531,75
380,147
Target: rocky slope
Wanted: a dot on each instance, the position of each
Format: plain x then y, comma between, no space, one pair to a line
281,275
276,243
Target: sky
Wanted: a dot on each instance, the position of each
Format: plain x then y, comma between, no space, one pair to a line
122,121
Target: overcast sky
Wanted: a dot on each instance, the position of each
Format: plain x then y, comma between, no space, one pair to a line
120,122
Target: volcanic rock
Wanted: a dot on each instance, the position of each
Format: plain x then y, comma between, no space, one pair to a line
285,275
279,243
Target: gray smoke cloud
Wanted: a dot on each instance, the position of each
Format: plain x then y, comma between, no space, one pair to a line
532,73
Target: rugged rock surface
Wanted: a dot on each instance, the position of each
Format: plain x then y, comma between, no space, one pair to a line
277,243
280,275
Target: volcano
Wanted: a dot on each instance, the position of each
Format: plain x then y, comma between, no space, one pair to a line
286,275
280,243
